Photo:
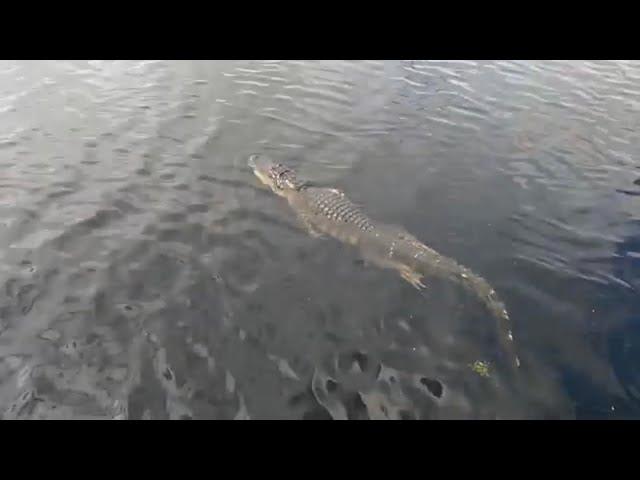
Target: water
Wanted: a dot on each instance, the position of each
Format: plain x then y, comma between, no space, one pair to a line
146,274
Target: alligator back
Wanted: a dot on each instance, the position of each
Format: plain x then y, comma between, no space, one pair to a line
328,211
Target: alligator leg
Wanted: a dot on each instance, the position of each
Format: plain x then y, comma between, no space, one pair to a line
309,228
412,277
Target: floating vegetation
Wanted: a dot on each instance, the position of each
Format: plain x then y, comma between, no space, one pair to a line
480,367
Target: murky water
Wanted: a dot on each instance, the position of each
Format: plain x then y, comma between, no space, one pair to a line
145,273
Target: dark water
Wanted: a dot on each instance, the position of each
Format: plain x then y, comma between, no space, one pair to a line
144,272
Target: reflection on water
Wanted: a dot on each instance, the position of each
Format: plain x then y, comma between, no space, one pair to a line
145,273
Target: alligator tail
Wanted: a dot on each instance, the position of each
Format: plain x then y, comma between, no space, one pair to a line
479,287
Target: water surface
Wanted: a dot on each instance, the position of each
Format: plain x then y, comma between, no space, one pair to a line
145,273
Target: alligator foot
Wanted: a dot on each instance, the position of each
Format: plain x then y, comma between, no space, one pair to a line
315,233
413,278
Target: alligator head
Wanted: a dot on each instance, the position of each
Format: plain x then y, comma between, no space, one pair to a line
276,176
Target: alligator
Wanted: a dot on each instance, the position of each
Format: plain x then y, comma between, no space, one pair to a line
327,211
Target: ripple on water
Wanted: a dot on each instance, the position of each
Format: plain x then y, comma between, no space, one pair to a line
145,274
